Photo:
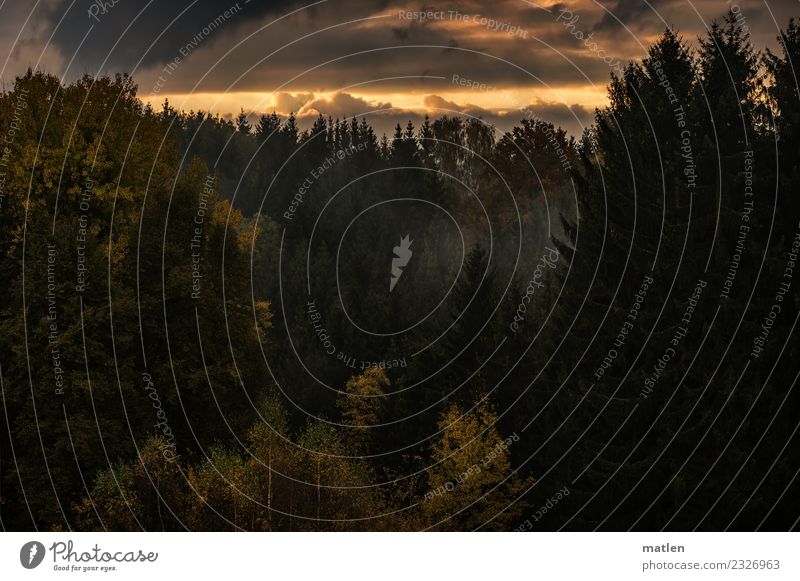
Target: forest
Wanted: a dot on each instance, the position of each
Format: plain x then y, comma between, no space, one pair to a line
243,324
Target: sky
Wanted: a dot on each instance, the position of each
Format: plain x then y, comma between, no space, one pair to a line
388,60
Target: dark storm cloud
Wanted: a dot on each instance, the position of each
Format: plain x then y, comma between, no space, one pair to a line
153,32
634,14
339,47
198,33
358,46
24,29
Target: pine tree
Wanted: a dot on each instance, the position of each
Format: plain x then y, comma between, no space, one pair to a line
242,124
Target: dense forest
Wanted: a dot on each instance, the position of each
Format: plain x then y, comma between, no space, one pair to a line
214,324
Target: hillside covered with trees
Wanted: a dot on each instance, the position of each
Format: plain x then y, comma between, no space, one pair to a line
207,323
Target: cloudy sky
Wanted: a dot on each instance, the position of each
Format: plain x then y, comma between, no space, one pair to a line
388,60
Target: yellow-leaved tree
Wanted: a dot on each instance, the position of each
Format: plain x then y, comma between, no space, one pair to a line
472,484
360,406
